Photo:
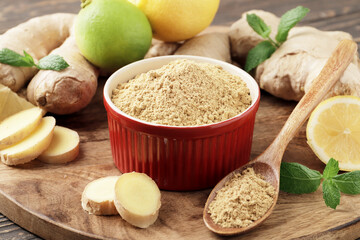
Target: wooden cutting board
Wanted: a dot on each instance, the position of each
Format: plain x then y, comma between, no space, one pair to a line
45,199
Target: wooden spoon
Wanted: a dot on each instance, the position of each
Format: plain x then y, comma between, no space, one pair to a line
268,163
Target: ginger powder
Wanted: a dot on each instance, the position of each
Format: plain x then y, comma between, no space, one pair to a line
183,93
245,198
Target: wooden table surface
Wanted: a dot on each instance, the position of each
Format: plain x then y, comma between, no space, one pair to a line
325,14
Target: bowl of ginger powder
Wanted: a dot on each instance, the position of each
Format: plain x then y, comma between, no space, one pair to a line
186,121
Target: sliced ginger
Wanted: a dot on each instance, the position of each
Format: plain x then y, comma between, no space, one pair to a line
64,146
137,199
30,147
11,103
18,126
98,196
134,196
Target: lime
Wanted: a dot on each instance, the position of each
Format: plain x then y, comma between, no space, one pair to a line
112,33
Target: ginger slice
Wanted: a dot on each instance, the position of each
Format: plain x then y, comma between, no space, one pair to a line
137,199
98,196
11,103
64,146
18,126
30,147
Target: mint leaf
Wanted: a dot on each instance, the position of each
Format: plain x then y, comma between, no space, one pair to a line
299,179
331,194
265,49
13,58
288,21
296,178
29,58
259,54
258,25
52,62
331,169
348,183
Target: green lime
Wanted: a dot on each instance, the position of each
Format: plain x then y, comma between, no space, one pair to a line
112,33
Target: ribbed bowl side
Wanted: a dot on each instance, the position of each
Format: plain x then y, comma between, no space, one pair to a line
181,163
180,158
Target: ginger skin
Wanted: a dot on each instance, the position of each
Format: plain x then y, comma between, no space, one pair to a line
200,45
160,48
214,45
243,37
289,72
38,37
69,90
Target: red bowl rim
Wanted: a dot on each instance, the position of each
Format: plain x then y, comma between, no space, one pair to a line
118,114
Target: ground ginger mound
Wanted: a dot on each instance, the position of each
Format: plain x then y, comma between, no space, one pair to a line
245,198
183,93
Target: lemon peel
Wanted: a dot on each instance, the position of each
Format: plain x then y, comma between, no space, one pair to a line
178,20
333,131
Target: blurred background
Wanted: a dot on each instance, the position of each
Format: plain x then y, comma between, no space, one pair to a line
328,15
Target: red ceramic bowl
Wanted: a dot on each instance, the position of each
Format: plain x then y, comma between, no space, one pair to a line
179,158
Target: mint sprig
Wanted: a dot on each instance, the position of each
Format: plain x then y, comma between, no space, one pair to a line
258,25
331,169
287,22
12,58
50,62
299,179
331,194
259,54
348,183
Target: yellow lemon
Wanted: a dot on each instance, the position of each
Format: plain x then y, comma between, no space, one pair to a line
177,20
333,131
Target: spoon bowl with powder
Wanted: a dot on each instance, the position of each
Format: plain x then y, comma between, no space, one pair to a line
247,196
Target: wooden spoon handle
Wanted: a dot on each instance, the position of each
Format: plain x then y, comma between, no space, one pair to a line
329,75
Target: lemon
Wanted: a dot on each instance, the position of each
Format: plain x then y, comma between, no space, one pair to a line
177,20
333,131
112,33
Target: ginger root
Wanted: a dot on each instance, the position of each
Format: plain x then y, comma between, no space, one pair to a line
66,91
289,72
243,37
214,45
159,48
215,38
38,37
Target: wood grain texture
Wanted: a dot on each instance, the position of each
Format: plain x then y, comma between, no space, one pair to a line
180,214
268,163
45,199
8,230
